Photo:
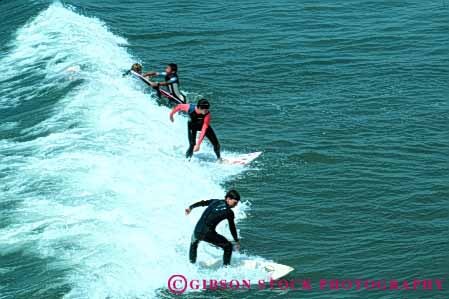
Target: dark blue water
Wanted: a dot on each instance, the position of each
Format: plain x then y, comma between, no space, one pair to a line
348,102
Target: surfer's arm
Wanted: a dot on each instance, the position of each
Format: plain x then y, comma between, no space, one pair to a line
171,81
180,107
232,227
150,74
163,83
202,203
204,129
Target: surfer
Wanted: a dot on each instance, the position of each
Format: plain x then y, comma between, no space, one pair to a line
216,211
199,121
137,67
171,81
136,70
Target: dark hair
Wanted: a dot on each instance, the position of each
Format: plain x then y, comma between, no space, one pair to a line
173,66
233,194
203,104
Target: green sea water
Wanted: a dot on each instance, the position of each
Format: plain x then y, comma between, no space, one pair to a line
347,100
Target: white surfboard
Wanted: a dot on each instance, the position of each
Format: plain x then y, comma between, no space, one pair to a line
268,270
243,159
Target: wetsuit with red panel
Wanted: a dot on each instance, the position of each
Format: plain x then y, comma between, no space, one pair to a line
198,122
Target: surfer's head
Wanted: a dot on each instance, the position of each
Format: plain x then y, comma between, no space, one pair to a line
171,68
137,68
203,106
232,198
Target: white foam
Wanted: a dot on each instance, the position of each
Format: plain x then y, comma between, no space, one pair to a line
103,194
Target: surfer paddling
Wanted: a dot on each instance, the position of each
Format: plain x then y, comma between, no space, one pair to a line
199,121
217,210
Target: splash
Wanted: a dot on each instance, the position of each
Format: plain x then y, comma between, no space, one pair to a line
98,188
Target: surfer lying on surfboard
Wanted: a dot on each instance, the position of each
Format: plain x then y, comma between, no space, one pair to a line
199,121
217,210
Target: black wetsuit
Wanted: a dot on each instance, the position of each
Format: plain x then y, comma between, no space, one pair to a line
194,125
173,86
216,211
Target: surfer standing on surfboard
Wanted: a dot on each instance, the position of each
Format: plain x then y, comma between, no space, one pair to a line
217,210
199,121
171,81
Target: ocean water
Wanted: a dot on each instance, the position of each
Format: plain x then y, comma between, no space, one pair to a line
347,100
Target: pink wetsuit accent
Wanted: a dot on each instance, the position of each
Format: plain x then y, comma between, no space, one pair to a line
185,108
204,128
